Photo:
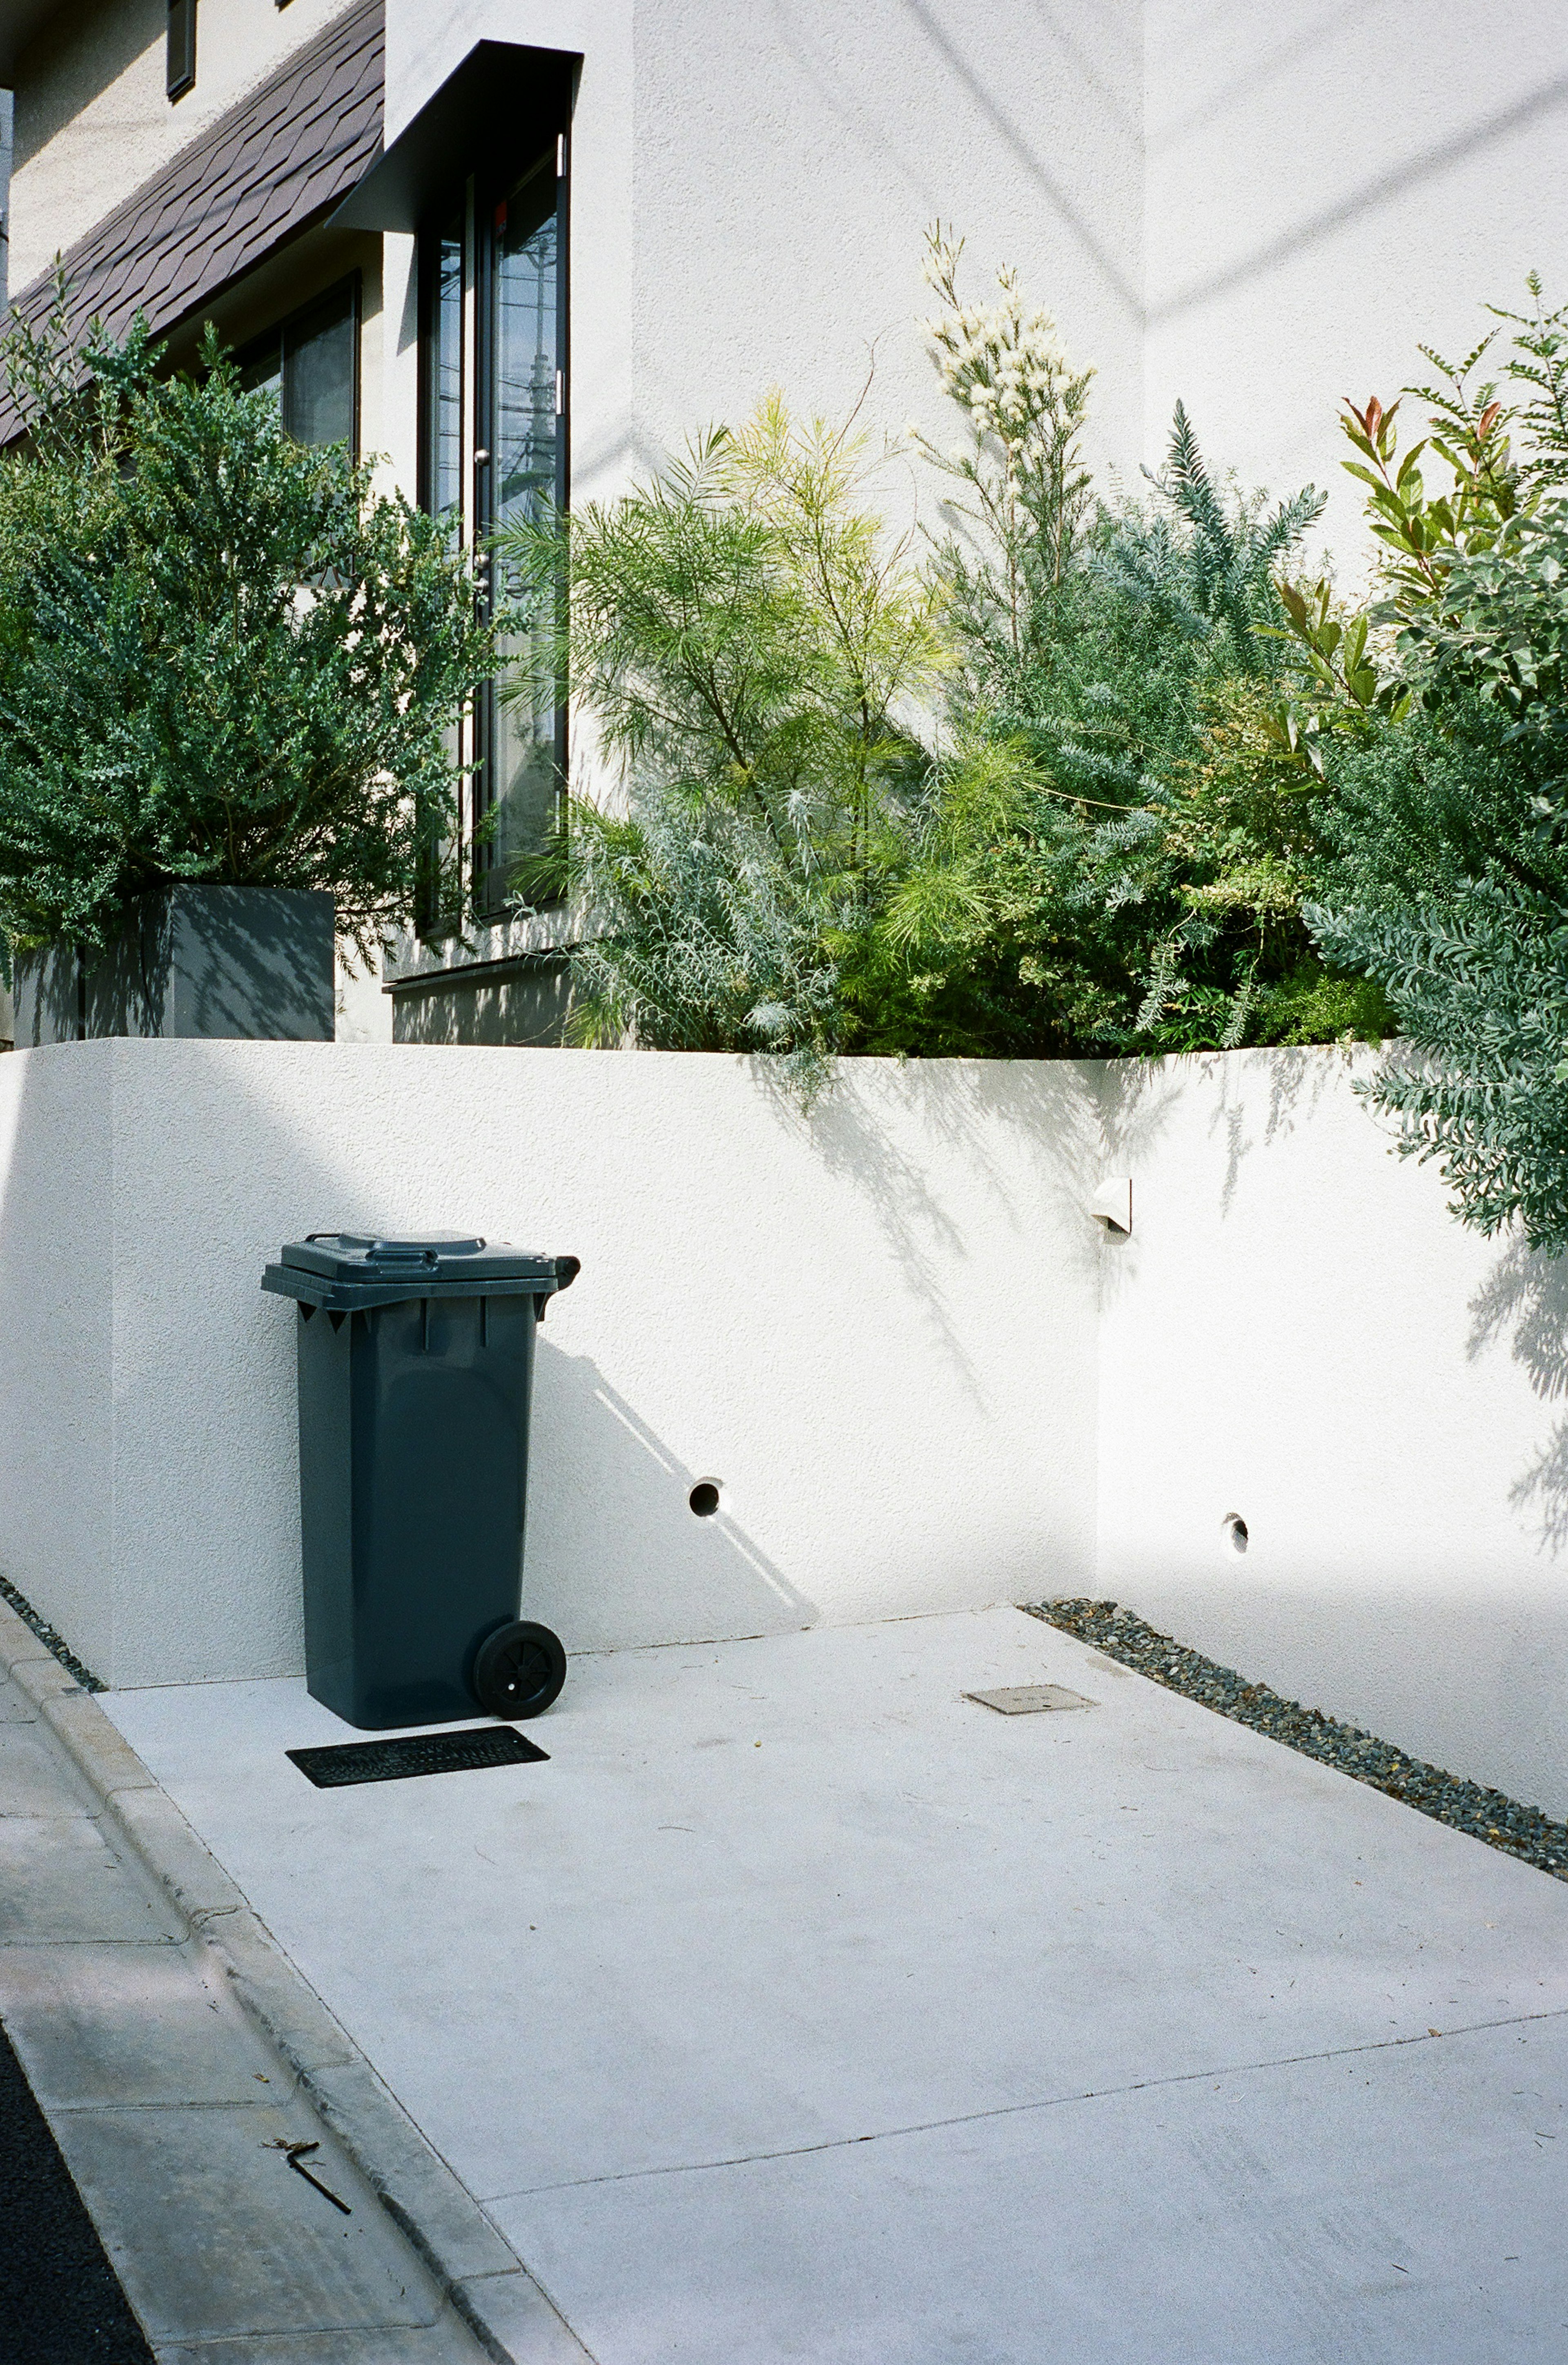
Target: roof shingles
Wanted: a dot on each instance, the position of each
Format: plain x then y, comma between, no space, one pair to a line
266,171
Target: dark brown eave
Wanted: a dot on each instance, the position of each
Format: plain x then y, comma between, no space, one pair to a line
504,103
21,22
271,168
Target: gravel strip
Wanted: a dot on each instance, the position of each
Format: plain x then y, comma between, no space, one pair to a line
1485,1814
49,1638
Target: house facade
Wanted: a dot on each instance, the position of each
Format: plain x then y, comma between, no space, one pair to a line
520,248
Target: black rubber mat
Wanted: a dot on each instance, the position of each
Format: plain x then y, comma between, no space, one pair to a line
416,1752
60,2302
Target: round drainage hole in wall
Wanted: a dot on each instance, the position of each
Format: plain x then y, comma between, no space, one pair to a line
1233,1528
704,1498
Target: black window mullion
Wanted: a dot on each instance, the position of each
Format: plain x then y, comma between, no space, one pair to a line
444,396
518,220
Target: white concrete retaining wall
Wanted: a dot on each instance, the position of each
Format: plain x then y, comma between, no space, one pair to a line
876,1330
891,1331
1299,1332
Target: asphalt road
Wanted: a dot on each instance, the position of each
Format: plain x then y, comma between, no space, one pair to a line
60,2302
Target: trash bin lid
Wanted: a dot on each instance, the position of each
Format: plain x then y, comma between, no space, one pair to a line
415,1256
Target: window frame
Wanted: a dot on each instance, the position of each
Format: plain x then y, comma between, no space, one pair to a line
180,56
251,349
477,199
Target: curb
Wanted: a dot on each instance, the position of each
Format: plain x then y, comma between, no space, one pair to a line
471,2259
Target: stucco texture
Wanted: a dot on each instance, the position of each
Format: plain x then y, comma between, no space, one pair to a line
1326,188
1298,1332
923,1376
875,1327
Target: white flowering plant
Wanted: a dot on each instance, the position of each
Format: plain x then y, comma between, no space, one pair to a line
1027,488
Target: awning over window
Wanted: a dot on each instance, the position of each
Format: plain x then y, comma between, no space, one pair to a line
270,168
504,103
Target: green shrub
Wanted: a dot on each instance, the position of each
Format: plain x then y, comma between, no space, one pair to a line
1448,876
1131,878
223,657
1092,846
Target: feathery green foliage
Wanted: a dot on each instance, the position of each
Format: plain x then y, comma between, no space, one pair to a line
223,657
1200,565
1094,845
745,643
1480,982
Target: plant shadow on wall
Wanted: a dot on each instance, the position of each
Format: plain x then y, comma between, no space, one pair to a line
1025,1137
1138,1095
1524,1299
1095,777
609,1508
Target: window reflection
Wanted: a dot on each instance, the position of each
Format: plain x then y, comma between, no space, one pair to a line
309,365
492,454
443,456
522,778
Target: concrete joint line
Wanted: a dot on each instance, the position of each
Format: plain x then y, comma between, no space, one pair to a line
473,2264
1042,2102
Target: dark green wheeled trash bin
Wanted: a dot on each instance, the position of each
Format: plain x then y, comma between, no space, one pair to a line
416,1370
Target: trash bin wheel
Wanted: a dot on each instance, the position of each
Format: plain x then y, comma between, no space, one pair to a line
519,1670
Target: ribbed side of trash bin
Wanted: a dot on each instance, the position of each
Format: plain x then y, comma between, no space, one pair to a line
415,1376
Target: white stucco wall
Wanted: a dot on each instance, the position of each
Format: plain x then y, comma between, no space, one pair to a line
1299,1332
750,191
922,1374
876,1328
1326,188
789,161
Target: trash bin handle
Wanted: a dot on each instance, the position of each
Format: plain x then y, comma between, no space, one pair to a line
387,1254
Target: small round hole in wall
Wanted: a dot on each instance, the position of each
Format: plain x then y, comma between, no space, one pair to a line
704,1498
1233,1533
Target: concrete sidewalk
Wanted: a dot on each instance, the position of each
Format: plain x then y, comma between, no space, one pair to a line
801,2009
172,2114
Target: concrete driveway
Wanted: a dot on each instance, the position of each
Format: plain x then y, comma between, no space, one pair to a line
801,2009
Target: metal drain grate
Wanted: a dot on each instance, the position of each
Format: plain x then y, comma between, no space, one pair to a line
1029,1700
418,1752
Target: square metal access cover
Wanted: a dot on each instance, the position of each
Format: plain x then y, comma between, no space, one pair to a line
1028,1699
416,1752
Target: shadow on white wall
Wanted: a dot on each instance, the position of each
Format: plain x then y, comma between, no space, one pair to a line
1525,1301
618,1509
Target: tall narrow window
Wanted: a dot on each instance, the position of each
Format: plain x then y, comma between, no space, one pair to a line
494,450
522,482
180,69
445,489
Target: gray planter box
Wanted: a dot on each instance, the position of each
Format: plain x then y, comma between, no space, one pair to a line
250,961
